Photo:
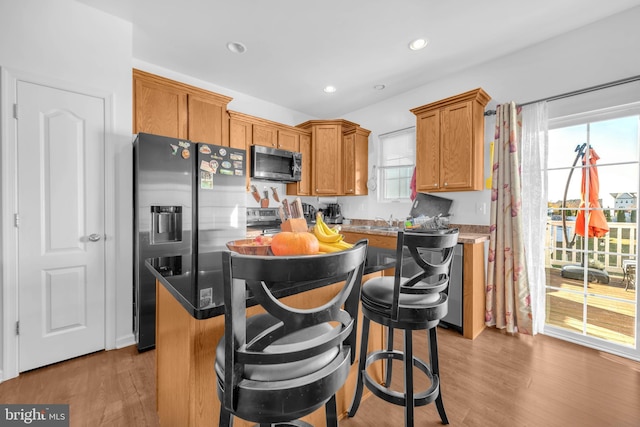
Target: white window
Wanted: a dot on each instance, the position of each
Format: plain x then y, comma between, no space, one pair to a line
397,158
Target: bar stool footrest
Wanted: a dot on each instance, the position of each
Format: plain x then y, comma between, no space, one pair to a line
386,393
296,423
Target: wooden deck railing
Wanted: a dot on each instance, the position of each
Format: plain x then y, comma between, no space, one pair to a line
619,244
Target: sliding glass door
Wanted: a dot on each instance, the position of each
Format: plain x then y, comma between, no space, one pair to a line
592,229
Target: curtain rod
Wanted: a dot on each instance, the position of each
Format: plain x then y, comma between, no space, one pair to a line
397,131
575,92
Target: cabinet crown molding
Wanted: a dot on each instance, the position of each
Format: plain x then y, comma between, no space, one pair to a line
346,124
181,86
478,95
359,131
258,120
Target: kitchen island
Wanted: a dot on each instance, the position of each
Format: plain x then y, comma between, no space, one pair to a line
190,321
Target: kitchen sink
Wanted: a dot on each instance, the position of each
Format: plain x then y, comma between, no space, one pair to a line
373,228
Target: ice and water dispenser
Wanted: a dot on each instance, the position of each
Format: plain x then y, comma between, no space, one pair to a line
166,224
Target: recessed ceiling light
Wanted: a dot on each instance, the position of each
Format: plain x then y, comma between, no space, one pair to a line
329,89
236,47
418,44
379,87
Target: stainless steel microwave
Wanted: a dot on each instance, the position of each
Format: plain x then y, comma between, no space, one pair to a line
272,164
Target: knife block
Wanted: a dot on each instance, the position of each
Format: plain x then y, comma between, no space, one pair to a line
295,224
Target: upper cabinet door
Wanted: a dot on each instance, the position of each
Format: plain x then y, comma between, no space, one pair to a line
288,140
303,187
169,108
208,120
456,151
265,135
361,162
327,159
348,163
428,151
159,109
240,134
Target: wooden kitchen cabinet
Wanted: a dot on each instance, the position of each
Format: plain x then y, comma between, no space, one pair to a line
271,136
303,187
169,108
240,133
327,159
158,108
288,140
355,162
328,156
450,143
241,137
258,131
265,135
207,120
246,130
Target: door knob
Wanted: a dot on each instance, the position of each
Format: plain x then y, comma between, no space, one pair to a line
94,237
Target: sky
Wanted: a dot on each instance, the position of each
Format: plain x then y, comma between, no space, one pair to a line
615,141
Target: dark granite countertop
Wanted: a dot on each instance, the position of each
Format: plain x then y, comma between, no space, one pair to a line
469,234
195,281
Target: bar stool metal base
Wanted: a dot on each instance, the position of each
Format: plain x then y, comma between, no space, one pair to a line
409,399
397,398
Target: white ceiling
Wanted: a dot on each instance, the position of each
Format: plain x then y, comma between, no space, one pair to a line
296,47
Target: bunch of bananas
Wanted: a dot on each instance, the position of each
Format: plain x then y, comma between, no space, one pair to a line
330,240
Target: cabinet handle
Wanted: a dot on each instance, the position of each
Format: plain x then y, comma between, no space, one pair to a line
435,185
445,184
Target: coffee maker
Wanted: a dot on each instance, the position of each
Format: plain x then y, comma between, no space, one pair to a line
309,212
333,214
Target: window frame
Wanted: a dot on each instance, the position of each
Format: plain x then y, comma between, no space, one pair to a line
383,180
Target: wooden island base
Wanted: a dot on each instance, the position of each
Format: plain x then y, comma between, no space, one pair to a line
185,355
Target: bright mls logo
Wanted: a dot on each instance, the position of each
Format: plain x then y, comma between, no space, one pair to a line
34,415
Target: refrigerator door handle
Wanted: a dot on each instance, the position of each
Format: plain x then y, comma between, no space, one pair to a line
94,237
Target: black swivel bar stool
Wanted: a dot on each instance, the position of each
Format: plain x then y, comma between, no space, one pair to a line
275,367
408,303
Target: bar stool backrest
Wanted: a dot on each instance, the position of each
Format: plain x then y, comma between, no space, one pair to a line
263,277
432,251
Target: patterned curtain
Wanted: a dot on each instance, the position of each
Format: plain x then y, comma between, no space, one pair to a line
508,302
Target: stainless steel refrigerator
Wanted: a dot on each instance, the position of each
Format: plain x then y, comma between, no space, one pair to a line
188,198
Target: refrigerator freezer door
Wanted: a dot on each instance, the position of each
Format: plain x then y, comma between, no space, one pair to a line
163,218
221,201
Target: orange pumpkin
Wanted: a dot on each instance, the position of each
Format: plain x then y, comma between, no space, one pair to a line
294,243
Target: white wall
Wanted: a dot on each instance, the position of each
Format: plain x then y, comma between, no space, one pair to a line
596,54
70,42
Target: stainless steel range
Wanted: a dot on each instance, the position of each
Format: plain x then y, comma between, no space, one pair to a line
266,220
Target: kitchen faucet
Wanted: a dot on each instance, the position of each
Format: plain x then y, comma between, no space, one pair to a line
388,221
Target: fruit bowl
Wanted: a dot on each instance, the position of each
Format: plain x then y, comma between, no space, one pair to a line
250,246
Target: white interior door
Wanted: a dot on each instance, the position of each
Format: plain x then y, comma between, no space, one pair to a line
61,280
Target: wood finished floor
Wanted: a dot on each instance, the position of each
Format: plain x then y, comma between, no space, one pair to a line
495,380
